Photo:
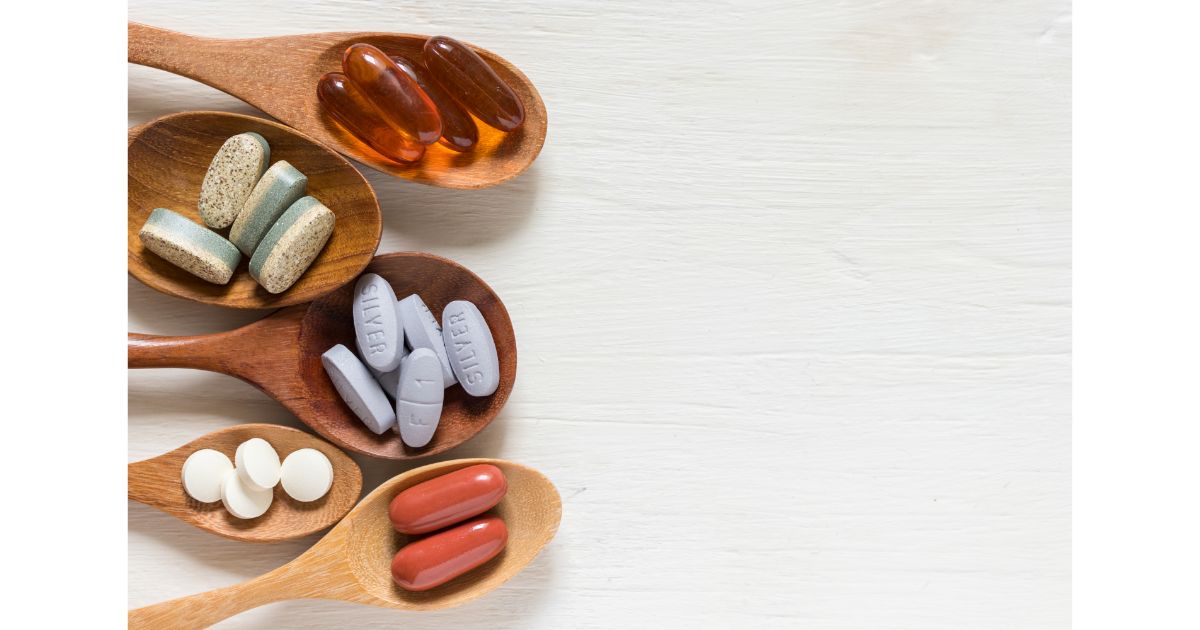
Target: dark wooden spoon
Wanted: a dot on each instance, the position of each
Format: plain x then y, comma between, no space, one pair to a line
168,158
281,355
157,483
279,76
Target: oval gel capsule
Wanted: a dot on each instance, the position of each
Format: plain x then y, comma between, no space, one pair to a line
470,348
422,331
433,561
395,95
471,81
419,397
447,499
377,329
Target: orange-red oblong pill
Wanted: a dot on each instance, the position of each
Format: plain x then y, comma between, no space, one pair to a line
472,82
459,132
447,499
435,560
350,108
393,93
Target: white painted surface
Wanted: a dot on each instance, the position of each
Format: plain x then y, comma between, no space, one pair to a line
791,283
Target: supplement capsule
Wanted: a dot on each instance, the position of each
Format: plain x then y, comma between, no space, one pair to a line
350,108
447,499
433,561
472,82
459,132
395,95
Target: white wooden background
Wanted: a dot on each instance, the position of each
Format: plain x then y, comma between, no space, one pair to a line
791,283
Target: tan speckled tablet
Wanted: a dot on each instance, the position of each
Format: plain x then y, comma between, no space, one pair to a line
190,246
278,189
292,244
234,171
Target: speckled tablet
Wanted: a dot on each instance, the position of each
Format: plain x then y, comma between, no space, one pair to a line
234,171
360,391
190,246
278,189
288,249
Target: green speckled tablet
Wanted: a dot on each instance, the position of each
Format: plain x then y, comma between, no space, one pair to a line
190,246
234,171
278,189
292,244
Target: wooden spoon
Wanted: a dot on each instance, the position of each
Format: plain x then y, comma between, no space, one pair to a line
279,76
157,483
281,355
353,561
168,158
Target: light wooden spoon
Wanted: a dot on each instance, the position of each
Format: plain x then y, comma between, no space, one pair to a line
353,561
168,158
279,76
157,483
281,355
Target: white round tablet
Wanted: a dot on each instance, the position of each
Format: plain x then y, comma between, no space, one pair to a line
203,473
242,500
306,475
257,463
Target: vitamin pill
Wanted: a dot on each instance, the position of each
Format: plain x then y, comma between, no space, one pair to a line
306,475
433,561
203,472
358,389
422,330
274,193
377,329
395,95
448,499
390,381
472,82
190,246
257,463
459,132
350,107
243,500
292,244
419,397
470,348
231,176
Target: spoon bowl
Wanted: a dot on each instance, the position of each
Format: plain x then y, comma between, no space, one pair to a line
168,158
353,561
279,75
281,355
157,482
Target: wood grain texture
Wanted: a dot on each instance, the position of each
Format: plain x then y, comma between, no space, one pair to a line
168,158
279,76
281,355
792,283
353,561
157,482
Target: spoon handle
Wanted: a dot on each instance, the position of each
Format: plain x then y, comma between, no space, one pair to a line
205,609
146,482
201,352
228,65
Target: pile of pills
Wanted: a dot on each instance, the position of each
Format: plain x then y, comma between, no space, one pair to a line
397,106
268,215
411,358
450,506
246,486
